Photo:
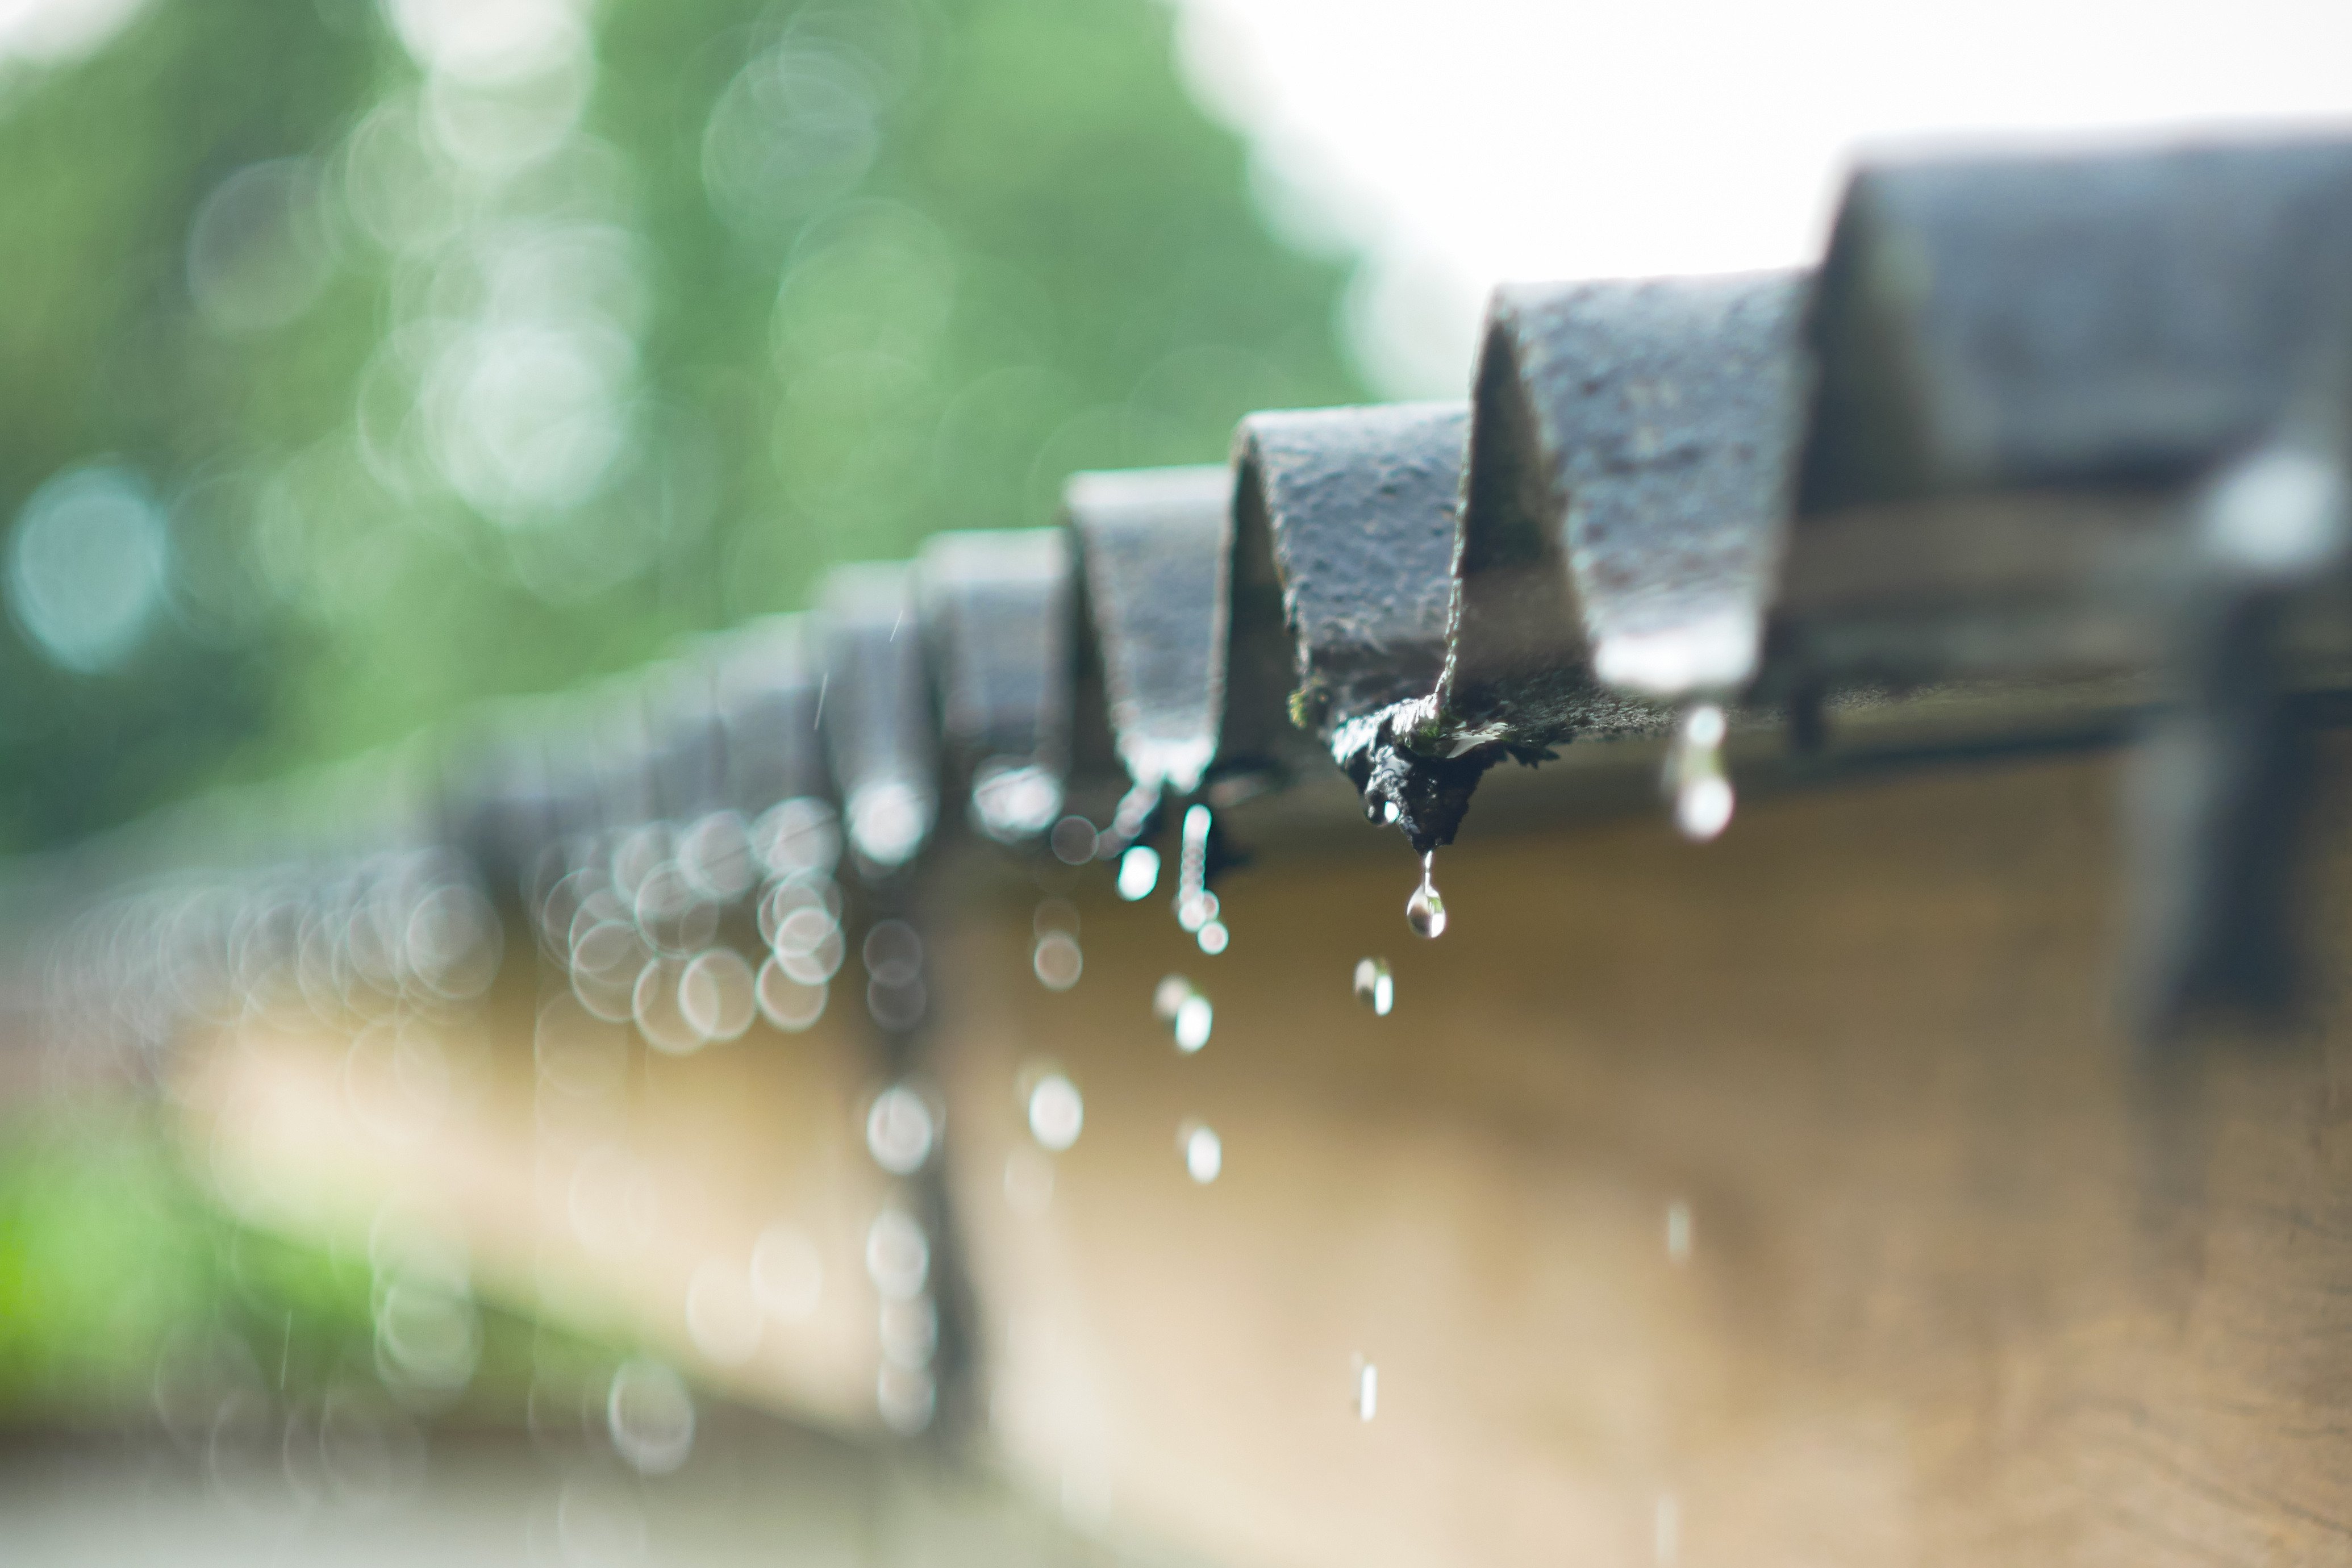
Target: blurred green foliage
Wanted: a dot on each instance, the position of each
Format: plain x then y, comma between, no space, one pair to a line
512,388
851,272
123,1289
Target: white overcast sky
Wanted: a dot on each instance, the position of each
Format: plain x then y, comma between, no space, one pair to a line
1457,142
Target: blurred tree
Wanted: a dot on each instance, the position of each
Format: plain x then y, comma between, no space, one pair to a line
464,357
358,361
99,357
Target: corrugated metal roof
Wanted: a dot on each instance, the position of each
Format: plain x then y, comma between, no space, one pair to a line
2047,423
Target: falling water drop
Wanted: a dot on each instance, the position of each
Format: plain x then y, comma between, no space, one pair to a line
1187,1014
1375,986
1169,995
1203,1151
1196,909
1057,960
718,995
898,1255
1074,840
1679,1232
1425,911
1694,779
900,1130
1138,872
789,1004
1056,1113
651,1414
1213,937
1366,1389
1194,1021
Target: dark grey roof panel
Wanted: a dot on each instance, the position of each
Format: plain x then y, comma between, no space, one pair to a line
1343,561
878,727
2081,415
514,779
998,615
768,679
686,760
1155,545
2099,316
1628,492
1622,509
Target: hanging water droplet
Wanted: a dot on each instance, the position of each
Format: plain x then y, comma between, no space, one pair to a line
1213,937
1366,1389
1425,911
1195,905
1138,872
1194,1021
1012,801
1375,986
1695,779
1128,819
1203,1151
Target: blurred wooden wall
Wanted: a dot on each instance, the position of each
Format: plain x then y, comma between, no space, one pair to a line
1967,1279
